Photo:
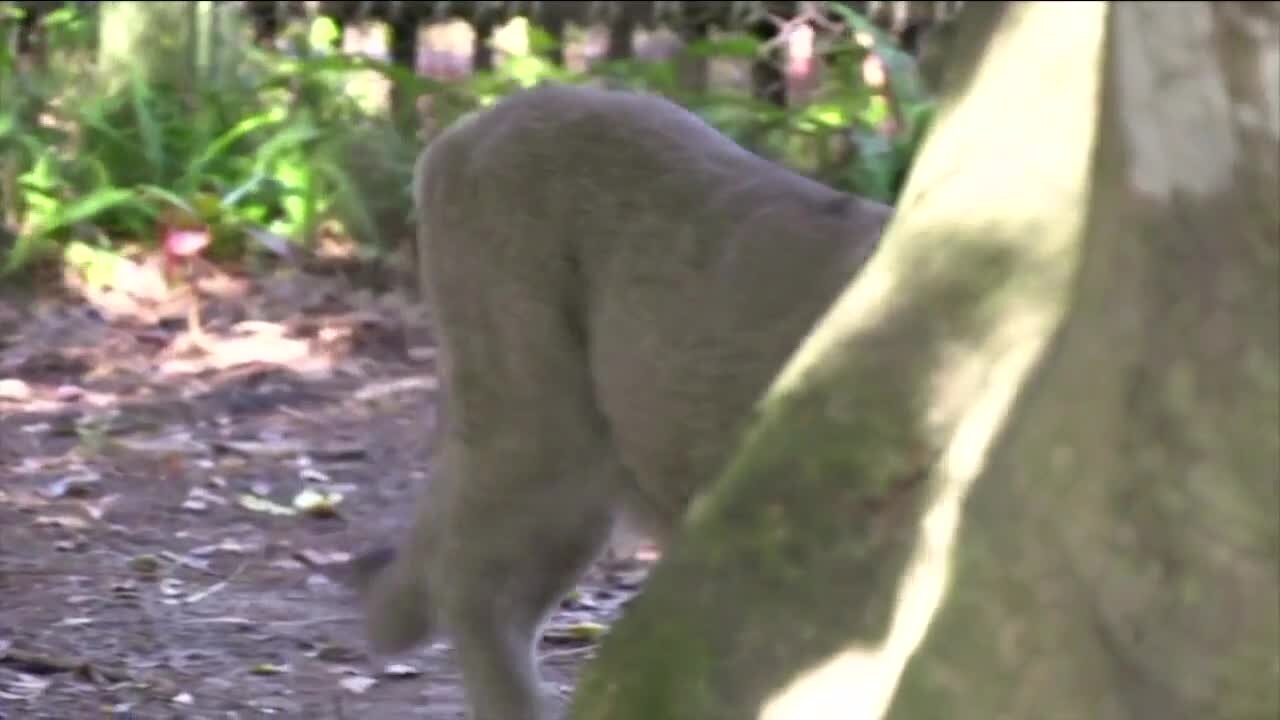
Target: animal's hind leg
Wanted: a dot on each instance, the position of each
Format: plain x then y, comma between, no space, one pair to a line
532,481
507,560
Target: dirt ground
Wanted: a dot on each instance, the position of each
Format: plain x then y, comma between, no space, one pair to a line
169,498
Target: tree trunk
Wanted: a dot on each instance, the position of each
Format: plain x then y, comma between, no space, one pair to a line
131,42
184,45
1029,465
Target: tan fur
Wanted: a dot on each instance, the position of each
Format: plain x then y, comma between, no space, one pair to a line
613,285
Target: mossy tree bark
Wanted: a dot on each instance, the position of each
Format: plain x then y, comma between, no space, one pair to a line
1029,465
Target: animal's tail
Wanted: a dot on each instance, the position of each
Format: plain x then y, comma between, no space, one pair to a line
394,585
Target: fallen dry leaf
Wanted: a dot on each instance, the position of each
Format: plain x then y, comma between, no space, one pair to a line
357,684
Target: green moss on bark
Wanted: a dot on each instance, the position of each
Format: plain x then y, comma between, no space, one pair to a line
1071,349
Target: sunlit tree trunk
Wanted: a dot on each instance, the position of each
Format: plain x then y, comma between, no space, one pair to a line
1029,465
181,44
130,41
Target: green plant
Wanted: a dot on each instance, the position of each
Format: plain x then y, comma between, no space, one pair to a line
887,131
854,134
268,148
248,155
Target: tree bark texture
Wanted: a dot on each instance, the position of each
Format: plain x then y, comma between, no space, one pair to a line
1028,466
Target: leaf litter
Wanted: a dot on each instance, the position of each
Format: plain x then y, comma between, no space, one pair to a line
172,511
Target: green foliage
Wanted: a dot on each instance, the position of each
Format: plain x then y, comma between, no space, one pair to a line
263,147
851,135
253,154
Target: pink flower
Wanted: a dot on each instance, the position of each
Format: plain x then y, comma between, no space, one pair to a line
180,242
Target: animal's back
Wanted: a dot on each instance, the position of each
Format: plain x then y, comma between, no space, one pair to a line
692,266
613,283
